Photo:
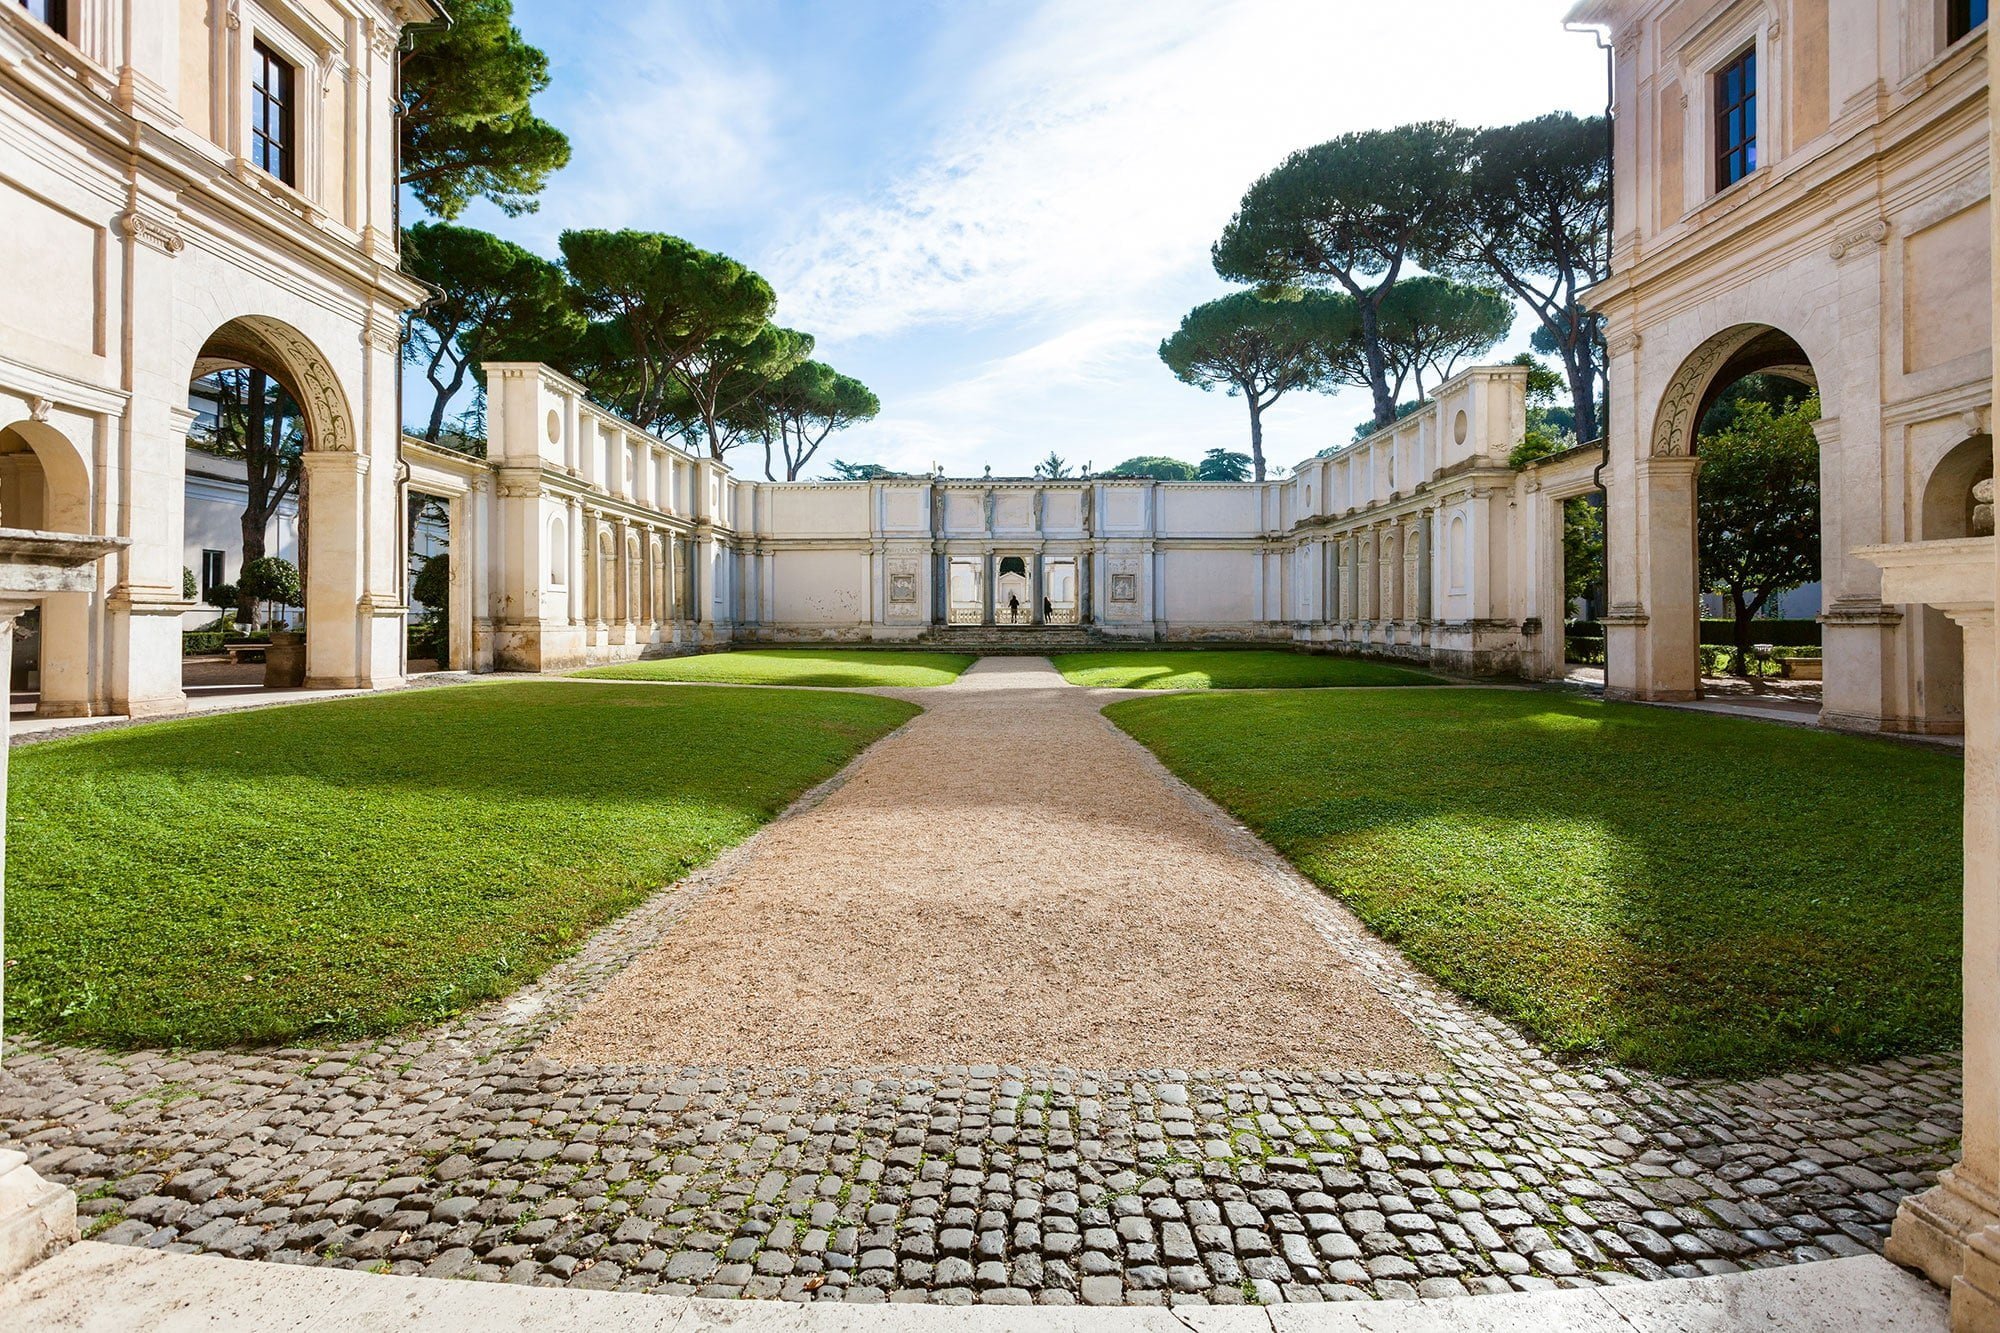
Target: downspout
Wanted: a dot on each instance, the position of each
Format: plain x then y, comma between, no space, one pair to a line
403,329
1610,244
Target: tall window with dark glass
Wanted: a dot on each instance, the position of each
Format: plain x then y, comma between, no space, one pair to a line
1736,120
273,115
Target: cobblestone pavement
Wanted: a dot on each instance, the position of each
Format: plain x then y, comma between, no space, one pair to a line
462,1152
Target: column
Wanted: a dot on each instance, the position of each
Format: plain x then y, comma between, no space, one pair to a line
1952,1231
990,569
1655,648
336,486
458,607
573,526
1426,534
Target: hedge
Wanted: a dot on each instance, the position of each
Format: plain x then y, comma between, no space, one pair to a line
1781,633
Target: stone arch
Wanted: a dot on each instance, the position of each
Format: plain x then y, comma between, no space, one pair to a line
44,480
1726,357
1667,650
1945,512
277,348
331,492
558,551
45,484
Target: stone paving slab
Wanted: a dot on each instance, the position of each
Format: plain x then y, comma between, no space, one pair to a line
464,1151
95,1288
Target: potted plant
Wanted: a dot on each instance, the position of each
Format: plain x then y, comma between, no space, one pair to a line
275,581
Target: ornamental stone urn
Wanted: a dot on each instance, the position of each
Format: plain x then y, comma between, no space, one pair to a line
285,660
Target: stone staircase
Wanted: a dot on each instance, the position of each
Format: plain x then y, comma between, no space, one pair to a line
1003,639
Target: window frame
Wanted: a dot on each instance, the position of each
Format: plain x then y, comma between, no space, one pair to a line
56,17
265,59
1959,22
1728,154
215,577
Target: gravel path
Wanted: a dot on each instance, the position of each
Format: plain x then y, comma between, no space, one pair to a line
1265,1166
1009,880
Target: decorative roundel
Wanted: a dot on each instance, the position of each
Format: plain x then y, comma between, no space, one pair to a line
555,427
1459,427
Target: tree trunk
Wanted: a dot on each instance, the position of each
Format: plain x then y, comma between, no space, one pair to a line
1580,366
256,509
1378,365
1256,435
1745,612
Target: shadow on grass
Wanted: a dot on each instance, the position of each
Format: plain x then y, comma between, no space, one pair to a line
1200,668
1682,892
344,868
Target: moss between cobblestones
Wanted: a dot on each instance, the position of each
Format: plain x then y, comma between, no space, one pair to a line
340,869
1679,891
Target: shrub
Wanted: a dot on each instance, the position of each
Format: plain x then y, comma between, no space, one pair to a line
223,597
270,579
189,588
194,643
1583,650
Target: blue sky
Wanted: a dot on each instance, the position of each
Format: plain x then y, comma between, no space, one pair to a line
991,212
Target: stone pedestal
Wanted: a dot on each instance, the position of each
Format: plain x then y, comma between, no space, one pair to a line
36,1218
1952,1231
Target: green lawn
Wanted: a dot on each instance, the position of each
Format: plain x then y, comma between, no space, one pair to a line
1228,669
796,666
340,869
1683,892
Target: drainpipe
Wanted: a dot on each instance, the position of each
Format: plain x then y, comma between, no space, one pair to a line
402,344
1610,241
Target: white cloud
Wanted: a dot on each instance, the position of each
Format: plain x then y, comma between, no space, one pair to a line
668,123
1104,146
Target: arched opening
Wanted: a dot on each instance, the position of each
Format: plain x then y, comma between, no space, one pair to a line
1945,513
1013,592
558,552
427,591
262,400
1734,483
630,609
604,586
656,565
45,486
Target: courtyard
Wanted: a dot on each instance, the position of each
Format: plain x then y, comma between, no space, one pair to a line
1003,1010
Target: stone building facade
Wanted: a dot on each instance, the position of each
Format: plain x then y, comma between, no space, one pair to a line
580,539
1802,191
1849,246
187,186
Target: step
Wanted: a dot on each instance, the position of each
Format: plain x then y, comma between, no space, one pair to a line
98,1288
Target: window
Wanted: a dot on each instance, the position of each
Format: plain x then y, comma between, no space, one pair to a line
1962,17
273,115
55,13
211,572
1736,120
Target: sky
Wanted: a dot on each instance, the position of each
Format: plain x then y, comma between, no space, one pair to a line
992,211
